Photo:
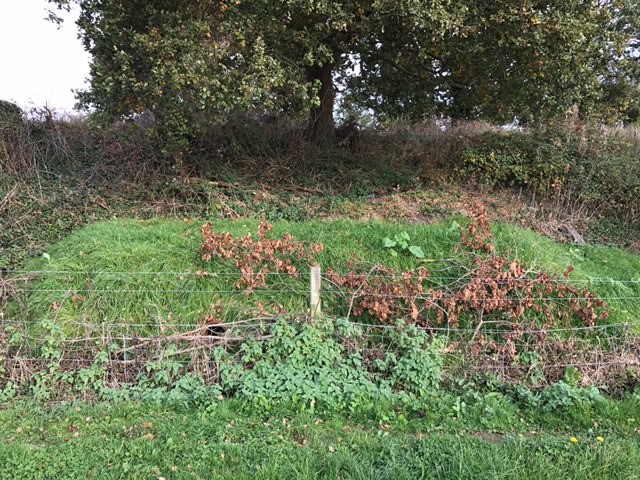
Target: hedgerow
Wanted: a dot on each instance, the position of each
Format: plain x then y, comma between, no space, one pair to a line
574,165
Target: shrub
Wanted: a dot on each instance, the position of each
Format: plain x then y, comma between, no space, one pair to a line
325,361
11,129
11,115
584,167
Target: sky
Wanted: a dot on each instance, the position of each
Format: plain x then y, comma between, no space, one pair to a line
39,63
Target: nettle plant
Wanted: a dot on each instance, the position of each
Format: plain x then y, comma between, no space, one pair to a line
330,363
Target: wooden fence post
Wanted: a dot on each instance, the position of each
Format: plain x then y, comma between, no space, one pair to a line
315,291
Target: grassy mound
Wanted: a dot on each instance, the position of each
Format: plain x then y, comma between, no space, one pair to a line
146,272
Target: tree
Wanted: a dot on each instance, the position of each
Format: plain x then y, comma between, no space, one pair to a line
621,96
191,62
187,59
525,60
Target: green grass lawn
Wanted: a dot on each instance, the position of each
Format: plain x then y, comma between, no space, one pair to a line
127,271
233,440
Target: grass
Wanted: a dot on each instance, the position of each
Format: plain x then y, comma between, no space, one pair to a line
137,271
229,439
131,271
39,210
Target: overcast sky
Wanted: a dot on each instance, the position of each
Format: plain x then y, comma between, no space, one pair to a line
39,63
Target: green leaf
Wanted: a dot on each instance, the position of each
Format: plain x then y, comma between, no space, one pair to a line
416,251
405,235
388,243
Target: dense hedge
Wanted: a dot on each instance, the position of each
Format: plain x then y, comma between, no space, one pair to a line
590,168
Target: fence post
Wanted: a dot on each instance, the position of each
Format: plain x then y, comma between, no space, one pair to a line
315,291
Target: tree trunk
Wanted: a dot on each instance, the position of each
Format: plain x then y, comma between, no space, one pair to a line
322,126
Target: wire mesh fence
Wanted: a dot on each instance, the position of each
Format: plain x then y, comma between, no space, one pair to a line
73,335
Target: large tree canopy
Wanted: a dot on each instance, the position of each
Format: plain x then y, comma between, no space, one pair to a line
190,62
507,59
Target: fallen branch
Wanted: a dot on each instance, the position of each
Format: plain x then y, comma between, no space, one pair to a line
577,238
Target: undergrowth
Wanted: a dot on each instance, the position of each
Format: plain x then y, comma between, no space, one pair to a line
123,316
573,166
66,174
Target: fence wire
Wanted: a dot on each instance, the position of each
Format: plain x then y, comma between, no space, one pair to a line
30,342
302,274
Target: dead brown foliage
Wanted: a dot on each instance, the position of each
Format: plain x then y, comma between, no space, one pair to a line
255,258
493,292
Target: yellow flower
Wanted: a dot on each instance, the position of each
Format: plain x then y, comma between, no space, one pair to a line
600,439
574,440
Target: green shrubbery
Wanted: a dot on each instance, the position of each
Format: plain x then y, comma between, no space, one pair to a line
586,167
301,364
11,115
311,362
11,129
321,364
